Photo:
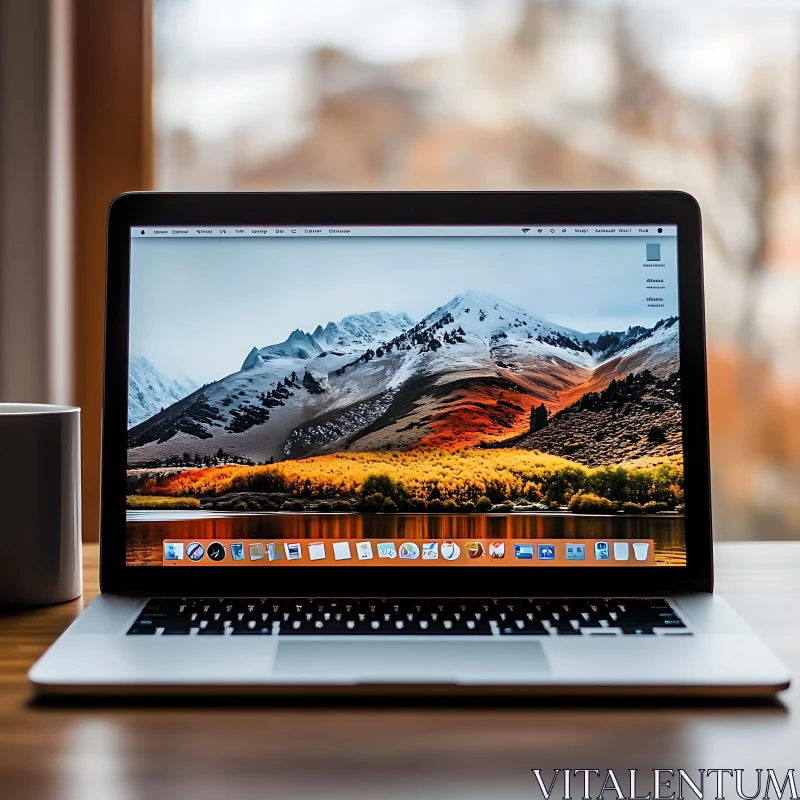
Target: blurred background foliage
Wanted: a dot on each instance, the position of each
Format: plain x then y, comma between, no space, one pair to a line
527,94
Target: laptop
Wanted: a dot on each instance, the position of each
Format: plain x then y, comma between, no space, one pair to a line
427,443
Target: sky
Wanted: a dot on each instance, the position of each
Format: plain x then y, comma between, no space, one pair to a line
199,305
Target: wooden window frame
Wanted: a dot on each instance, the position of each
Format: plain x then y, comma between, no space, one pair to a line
112,153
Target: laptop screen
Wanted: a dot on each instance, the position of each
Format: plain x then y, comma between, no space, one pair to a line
405,396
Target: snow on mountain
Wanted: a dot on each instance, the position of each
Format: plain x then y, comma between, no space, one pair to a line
298,345
355,331
507,331
149,390
511,334
363,329
377,380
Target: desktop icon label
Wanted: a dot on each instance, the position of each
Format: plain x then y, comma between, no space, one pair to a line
546,552
237,551
173,551
601,552
450,550
497,549
576,552
408,550
195,551
430,551
386,550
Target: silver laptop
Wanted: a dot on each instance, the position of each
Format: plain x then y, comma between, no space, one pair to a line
449,443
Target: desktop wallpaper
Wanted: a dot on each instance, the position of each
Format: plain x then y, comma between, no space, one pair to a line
404,387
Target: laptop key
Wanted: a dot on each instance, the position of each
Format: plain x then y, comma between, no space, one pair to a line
524,627
312,628
251,631
565,628
212,629
143,627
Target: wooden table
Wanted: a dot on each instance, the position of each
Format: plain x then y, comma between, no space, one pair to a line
405,750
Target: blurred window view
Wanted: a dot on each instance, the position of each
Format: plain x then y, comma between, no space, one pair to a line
521,94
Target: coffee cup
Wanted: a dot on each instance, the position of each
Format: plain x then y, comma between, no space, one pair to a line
40,504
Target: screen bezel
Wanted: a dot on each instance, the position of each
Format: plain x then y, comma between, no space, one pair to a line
406,208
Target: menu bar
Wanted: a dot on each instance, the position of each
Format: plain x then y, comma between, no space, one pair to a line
532,231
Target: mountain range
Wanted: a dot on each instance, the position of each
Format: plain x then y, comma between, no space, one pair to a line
468,372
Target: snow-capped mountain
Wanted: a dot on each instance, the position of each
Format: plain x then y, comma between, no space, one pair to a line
354,332
506,329
149,390
495,314
467,372
362,329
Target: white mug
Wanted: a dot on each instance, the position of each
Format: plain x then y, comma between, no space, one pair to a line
40,504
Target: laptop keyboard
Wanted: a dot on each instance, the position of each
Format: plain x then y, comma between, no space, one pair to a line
404,617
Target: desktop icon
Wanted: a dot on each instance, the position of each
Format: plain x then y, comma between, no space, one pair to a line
386,550
546,552
408,550
256,551
237,551
524,551
601,551
195,551
341,551
475,549
497,549
653,252
292,550
450,550
274,552
621,551
576,552
364,550
640,550
430,551
216,551
316,551
173,551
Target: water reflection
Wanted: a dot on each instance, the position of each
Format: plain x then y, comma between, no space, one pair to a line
147,530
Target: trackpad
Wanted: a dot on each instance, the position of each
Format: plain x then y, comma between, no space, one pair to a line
427,661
